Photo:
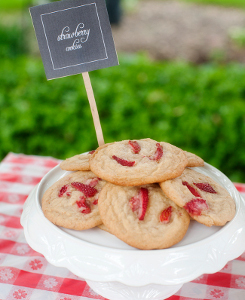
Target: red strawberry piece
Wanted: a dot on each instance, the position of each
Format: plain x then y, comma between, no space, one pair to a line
165,216
191,189
206,187
139,203
63,190
196,206
123,162
84,205
134,146
92,182
68,194
87,190
91,152
81,202
159,152
95,202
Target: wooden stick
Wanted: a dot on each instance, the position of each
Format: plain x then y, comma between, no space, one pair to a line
93,108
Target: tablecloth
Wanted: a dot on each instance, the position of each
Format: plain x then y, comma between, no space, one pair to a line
26,274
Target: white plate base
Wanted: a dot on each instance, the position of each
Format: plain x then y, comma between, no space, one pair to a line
119,291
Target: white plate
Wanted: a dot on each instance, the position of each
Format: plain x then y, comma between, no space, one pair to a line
109,265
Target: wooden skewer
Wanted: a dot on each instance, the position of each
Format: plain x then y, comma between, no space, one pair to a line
93,108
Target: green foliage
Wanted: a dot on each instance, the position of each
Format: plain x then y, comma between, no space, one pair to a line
14,5
228,3
198,108
127,4
237,35
11,41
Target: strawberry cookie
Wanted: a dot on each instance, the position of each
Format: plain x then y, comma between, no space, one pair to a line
204,199
142,216
131,163
194,160
77,163
72,202
103,227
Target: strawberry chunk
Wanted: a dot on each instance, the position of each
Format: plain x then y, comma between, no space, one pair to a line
165,216
139,203
91,152
134,146
123,162
195,207
81,202
87,190
92,182
84,205
95,202
206,187
191,189
63,190
159,152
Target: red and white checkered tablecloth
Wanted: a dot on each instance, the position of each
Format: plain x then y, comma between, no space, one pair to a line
26,274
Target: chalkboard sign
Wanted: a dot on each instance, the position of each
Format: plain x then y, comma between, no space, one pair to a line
74,36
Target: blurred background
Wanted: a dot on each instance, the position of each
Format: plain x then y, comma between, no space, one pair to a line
181,80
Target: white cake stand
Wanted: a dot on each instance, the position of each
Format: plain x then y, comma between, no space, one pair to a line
117,271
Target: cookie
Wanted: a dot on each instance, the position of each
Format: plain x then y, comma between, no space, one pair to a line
72,202
131,163
76,163
142,216
103,227
203,198
194,160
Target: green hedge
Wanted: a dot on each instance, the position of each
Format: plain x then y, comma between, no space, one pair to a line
198,108
12,42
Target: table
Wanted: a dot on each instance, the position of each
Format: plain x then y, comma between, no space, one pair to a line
26,274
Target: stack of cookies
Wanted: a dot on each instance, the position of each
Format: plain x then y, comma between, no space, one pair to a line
142,191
